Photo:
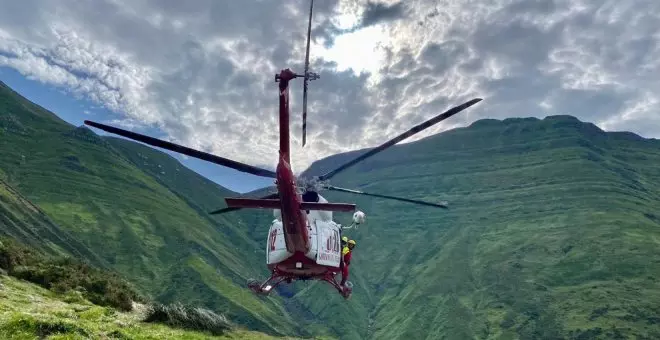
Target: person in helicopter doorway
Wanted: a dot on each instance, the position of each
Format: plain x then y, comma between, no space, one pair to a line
347,254
344,244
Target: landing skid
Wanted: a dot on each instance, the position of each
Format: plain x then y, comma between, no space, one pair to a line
276,278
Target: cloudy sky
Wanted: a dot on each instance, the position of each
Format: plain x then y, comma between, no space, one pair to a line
201,72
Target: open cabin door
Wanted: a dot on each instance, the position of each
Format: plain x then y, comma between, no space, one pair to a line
329,244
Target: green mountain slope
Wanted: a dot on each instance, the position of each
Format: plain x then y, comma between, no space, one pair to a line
149,228
22,220
200,193
553,232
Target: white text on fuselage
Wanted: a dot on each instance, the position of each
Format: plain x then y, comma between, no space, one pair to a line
328,257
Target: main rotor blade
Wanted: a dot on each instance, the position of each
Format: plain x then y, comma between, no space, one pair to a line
414,130
306,81
388,197
224,210
185,150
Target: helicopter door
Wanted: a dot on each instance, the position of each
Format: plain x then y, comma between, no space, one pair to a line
276,247
329,244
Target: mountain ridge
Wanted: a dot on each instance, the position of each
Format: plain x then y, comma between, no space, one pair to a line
480,123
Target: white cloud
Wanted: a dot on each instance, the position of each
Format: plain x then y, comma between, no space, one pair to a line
359,51
202,71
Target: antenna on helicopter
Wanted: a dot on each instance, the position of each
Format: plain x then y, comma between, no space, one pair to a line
308,76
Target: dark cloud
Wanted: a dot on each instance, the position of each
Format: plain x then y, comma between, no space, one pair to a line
440,57
377,12
536,7
373,13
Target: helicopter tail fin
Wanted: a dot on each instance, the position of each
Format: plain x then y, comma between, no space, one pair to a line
327,206
255,203
260,203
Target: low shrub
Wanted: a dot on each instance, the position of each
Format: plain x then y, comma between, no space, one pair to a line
192,318
76,280
62,275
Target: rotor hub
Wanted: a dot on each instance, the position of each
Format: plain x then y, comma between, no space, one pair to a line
305,184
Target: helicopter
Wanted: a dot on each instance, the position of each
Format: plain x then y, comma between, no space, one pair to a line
303,242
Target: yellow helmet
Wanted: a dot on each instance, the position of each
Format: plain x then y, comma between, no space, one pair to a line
351,242
344,239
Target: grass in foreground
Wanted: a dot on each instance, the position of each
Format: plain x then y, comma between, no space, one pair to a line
85,293
193,318
28,311
64,275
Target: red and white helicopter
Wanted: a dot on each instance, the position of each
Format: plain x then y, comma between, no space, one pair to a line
303,241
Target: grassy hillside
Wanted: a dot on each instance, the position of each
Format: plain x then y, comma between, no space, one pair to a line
201,194
148,226
553,232
22,220
28,311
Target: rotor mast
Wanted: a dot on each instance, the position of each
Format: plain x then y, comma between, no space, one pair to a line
283,78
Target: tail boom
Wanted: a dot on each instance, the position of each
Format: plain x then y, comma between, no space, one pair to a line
294,222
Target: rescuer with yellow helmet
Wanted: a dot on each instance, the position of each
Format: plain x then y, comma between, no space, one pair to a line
347,253
344,246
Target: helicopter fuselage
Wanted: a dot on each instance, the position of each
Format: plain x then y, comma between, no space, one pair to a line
323,235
